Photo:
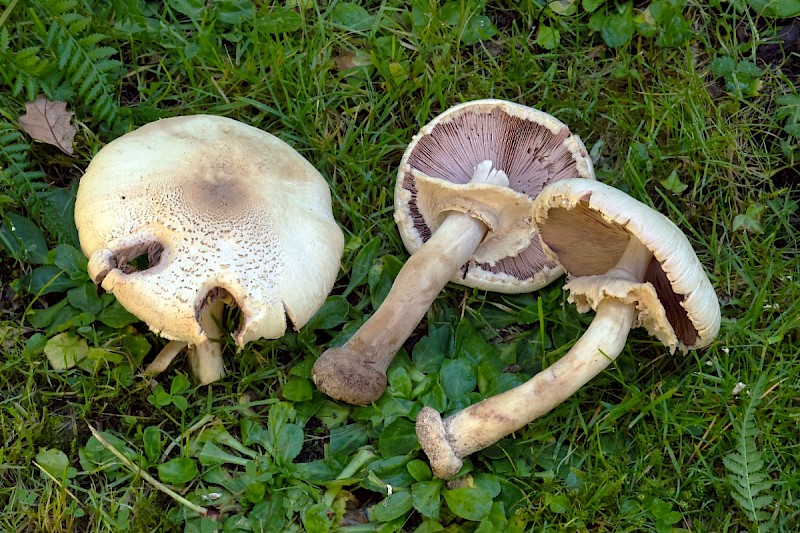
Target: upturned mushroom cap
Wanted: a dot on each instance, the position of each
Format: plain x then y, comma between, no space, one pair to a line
531,147
587,226
218,207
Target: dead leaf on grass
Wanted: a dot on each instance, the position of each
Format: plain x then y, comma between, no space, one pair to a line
350,60
11,335
65,350
49,122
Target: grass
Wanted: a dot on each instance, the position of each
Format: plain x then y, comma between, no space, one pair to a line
687,127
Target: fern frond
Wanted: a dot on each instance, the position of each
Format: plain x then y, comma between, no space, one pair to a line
13,147
17,177
746,472
72,60
22,69
61,7
82,68
29,189
87,67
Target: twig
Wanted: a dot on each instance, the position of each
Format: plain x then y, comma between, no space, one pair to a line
70,493
59,483
202,511
776,385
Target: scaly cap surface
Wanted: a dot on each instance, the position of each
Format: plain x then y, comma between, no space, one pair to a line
218,207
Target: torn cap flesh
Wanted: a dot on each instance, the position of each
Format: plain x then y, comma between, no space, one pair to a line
531,147
219,207
587,226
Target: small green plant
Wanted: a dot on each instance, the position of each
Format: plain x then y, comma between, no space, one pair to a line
21,183
66,63
161,398
61,269
617,21
750,220
788,110
673,183
54,464
775,8
664,518
467,21
751,485
742,78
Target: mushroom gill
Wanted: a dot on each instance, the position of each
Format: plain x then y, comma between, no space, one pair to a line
531,154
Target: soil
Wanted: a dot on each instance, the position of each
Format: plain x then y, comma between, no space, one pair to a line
503,19
783,51
314,448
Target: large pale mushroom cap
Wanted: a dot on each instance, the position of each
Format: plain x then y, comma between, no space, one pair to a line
531,147
218,207
587,226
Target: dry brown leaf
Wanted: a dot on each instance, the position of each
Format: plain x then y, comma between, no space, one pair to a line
49,122
350,60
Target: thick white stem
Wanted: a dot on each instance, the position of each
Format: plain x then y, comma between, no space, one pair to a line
356,372
205,358
165,357
205,362
447,442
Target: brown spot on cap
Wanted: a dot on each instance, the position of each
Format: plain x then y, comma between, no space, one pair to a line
216,205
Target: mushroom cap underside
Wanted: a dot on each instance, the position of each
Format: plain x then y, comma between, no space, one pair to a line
218,207
587,226
531,147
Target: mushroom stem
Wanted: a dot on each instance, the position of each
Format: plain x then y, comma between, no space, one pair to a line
165,357
356,372
447,442
205,358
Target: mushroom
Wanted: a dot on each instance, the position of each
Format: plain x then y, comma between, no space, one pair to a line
627,262
187,214
462,203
